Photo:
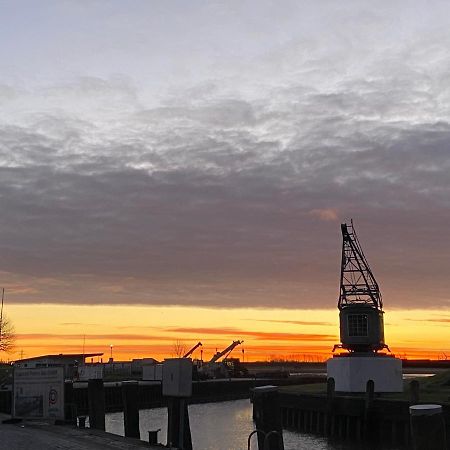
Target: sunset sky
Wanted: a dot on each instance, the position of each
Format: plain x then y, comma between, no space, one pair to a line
178,170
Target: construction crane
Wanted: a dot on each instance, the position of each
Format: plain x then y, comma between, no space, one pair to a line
192,350
360,304
214,369
226,352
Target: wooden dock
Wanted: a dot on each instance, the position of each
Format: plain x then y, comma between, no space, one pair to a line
380,418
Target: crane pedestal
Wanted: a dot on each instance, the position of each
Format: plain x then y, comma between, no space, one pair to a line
351,373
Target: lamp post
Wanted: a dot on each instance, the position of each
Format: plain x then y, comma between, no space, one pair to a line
111,348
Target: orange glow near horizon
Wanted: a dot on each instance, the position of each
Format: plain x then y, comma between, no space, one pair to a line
153,331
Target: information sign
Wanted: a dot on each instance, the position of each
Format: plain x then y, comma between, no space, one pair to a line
88,372
38,393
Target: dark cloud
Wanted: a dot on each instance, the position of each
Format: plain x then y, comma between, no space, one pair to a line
215,199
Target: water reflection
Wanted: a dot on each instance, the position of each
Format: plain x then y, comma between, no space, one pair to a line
221,426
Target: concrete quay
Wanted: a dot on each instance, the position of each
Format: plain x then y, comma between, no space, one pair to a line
33,435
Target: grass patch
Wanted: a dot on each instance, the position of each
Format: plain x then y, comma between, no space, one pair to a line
435,389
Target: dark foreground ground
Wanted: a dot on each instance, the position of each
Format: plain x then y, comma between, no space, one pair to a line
42,436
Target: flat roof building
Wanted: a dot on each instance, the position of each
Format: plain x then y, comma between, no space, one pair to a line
68,361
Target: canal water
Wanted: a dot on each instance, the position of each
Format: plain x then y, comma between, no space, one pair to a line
221,426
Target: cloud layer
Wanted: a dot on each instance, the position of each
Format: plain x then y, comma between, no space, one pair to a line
227,190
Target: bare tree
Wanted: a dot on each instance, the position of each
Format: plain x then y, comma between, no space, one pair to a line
7,335
179,348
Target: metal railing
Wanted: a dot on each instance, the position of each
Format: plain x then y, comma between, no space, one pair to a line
266,438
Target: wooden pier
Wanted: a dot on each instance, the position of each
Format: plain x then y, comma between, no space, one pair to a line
347,418
379,418
150,392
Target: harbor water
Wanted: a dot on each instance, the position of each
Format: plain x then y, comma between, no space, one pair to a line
221,426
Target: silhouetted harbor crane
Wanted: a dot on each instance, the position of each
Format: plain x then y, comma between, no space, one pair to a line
360,303
192,350
214,369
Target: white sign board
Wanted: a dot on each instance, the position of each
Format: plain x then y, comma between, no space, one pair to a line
38,393
93,372
177,377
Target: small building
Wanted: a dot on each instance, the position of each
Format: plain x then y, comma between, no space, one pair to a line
70,362
138,364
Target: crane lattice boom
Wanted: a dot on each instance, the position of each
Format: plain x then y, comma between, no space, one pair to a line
358,285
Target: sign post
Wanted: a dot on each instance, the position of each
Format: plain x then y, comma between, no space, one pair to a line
177,387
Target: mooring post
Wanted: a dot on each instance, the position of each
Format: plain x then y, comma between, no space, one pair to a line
267,414
96,402
331,392
414,392
427,427
369,424
177,387
130,399
178,427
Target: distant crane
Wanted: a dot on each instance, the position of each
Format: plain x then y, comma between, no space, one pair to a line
192,350
215,369
226,352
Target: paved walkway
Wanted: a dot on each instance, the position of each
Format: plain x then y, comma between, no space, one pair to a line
41,436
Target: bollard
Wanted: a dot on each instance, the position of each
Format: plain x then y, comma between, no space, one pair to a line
96,401
427,427
414,392
177,387
369,420
130,400
331,389
267,414
331,392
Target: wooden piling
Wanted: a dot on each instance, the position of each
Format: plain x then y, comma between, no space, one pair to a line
130,399
414,392
266,408
369,423
96,401
427,427
178,428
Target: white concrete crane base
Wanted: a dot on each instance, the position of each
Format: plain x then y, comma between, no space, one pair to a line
352,373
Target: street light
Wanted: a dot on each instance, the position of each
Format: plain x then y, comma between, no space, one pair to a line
111,347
